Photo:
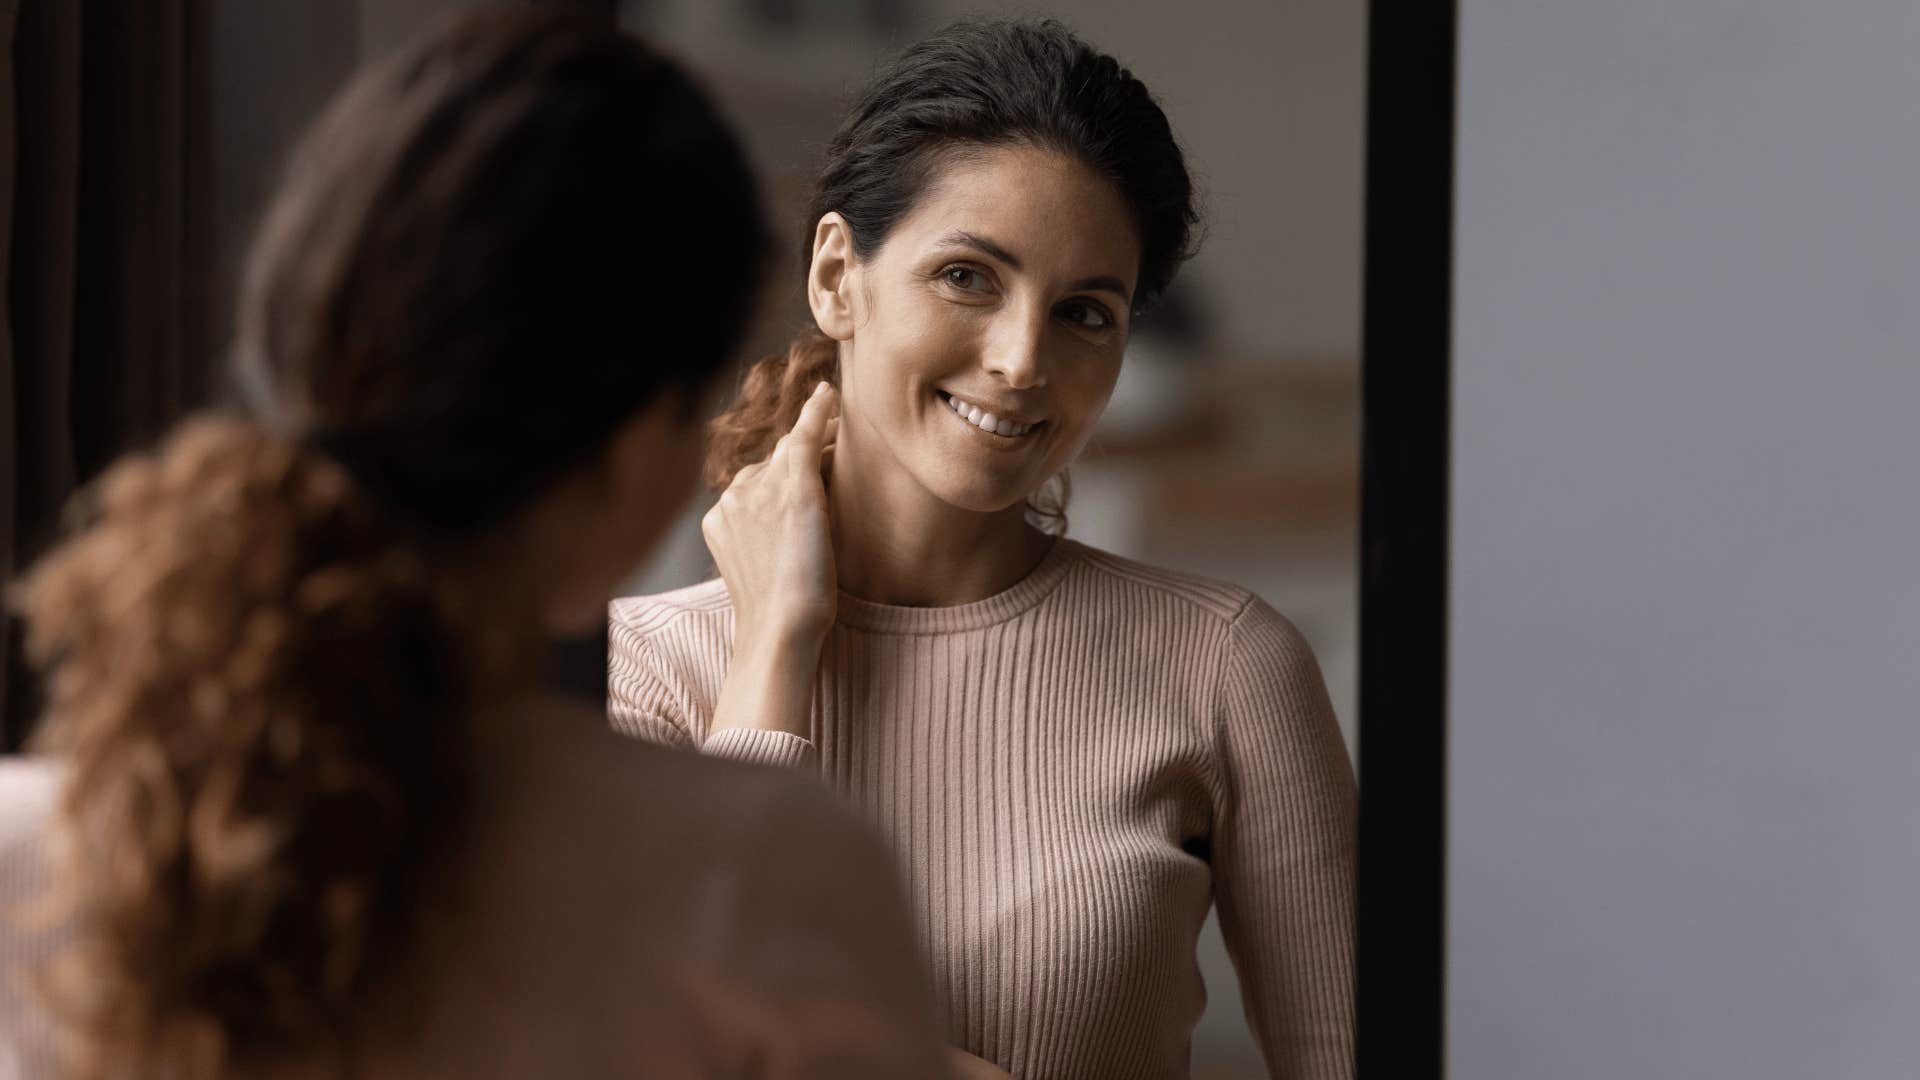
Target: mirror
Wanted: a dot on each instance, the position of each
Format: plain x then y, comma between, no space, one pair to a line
1230,447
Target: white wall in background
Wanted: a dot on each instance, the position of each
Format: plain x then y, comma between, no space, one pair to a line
1685,671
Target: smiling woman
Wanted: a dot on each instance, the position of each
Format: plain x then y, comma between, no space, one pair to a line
1074,755
1007,312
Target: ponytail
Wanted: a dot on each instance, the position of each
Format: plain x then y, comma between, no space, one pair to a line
251,678
768,405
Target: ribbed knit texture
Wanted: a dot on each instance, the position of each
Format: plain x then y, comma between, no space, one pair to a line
1070,772
28,788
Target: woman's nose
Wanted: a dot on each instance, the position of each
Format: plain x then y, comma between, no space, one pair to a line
1014,350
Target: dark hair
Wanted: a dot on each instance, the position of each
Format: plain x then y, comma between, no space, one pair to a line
487,255
996,83
978,82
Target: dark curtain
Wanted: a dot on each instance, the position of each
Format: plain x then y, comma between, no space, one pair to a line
137,141
104,342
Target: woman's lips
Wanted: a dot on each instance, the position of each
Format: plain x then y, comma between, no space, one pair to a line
985,420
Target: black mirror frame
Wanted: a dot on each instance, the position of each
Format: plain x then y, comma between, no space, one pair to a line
1404,535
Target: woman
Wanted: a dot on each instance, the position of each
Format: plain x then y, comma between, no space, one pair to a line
1074,754
317,817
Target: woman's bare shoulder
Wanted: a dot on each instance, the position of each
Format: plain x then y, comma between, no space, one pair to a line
693,904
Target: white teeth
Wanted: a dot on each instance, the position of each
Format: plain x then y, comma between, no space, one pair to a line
986,421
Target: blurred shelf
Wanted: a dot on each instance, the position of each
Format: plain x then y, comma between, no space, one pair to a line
1260,449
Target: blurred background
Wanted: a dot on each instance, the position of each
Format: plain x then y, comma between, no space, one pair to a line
142,140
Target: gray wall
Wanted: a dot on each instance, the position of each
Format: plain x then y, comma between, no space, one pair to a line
1685,821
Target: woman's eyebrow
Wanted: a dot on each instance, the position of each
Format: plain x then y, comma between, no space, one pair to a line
983,245
1104,283
1098,283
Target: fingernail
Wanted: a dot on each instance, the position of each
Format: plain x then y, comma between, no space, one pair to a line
819,388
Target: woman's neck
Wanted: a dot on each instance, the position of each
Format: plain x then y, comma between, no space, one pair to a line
895,543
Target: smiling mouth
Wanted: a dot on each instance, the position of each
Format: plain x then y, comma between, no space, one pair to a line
985,421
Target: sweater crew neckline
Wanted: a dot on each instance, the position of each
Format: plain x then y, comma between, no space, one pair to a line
857,614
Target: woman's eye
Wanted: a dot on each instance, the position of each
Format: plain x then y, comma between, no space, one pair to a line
964,278
1087,316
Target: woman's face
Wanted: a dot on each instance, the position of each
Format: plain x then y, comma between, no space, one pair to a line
982,340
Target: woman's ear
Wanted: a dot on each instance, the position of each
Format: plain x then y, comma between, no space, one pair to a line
830,277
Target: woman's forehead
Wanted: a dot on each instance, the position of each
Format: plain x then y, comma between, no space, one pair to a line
1047,211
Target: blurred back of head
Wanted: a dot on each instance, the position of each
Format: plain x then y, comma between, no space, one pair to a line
490,253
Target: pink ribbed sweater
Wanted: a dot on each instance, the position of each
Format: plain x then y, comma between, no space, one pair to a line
1070,772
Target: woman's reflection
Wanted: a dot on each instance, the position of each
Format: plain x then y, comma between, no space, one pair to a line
1074,754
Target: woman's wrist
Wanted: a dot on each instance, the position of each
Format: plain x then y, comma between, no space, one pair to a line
780,643
769,684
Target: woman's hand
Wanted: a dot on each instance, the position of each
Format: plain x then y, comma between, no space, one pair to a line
964,1066
770,539
769,536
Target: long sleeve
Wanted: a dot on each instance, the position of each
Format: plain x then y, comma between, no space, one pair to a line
647,701
642,699
1284,848
28,791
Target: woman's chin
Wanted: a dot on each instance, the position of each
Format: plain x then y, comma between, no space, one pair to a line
972,494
